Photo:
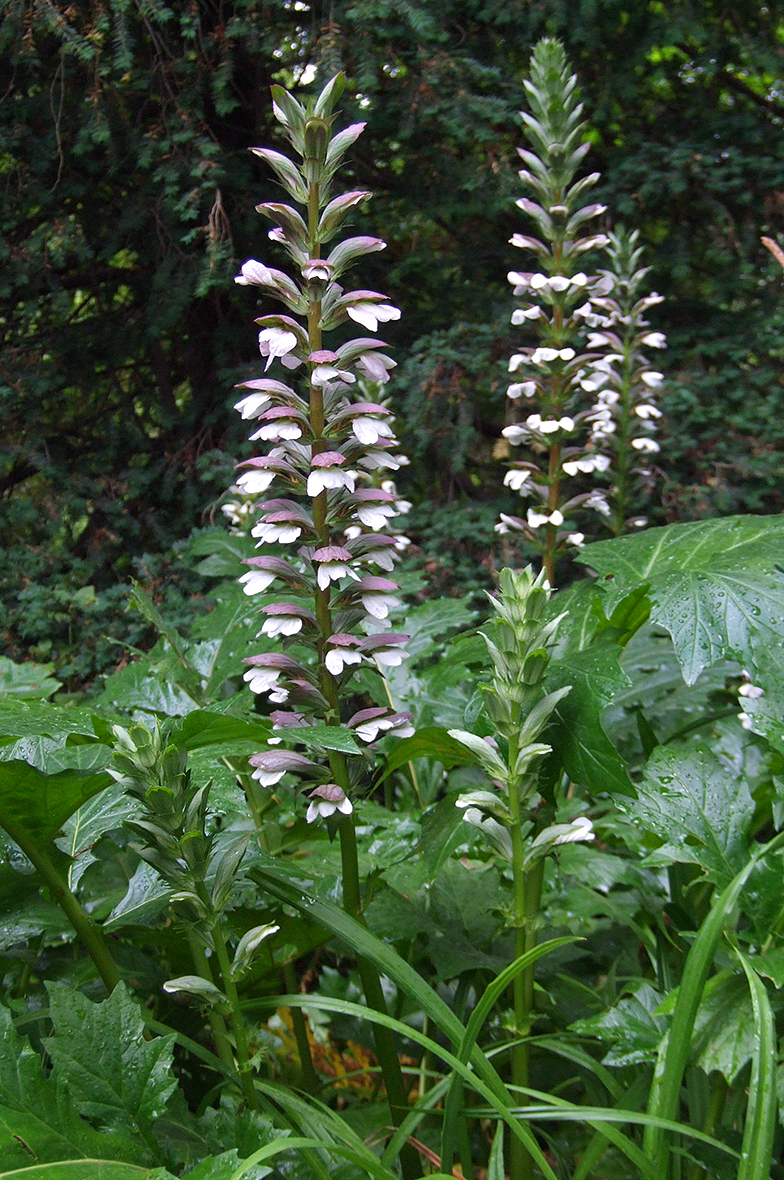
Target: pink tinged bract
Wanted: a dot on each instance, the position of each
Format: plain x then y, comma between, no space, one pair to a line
325,801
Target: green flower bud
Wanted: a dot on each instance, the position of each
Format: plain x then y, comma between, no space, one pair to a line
317,137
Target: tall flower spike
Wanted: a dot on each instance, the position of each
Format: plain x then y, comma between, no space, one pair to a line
326,433
557,310
625,416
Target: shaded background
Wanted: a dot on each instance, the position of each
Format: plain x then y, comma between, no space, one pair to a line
128,201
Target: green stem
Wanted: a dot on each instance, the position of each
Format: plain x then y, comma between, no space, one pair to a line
310,1081
371,985
520,1161
90,935
237,1023
216,1022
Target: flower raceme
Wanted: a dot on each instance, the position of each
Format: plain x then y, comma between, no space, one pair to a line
327,440
558,307
625,416
584,374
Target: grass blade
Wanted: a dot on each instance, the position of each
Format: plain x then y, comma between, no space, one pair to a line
674,1053
757,1148
478,1017
495,1165
501,1105
390,963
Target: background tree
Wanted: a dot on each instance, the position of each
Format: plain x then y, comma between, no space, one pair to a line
128,195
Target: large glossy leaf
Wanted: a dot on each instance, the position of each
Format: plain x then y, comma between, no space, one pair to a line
39,1123
324,737
425,623
766,712
105,812
436,690
696,808
632,1029
586,656
114,1075
207,727
657,693
27,681
716,585
37,805
52,754
146,897
222,552
428,742
20,719
138,686
225,636
724,1032
576,734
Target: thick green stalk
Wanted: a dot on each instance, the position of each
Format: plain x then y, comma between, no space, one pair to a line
374,994
310,1080
521,1163
215,1019
90,935
237,1022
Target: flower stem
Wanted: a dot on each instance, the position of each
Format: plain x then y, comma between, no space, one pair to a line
90,935
216,1021
237,1022
371,985
521,1163
309,1079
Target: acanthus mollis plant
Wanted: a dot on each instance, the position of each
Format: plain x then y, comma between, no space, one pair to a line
515,818
174,835
322,441
326,443
558,308
625,415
